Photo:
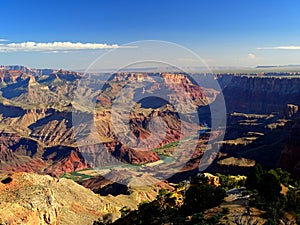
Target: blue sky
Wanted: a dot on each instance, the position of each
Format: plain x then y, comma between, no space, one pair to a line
223,33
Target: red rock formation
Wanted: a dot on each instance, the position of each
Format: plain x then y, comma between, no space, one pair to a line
64,160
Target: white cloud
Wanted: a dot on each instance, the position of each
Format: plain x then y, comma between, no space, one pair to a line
53,46
251,56
3,40
291,47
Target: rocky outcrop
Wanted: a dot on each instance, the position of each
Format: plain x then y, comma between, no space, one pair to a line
291,110
167,86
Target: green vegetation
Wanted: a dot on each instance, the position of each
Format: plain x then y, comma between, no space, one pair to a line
283,176
185,205
162,150
125,211
229,182
273,192
254,178
201,196
293,200
75,176
267,193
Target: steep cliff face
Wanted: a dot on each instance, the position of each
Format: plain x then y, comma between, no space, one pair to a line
256,138
264,95
55,128
19,153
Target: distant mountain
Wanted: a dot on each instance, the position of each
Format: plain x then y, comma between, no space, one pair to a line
278,66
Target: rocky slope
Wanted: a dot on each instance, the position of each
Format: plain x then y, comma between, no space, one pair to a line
28,198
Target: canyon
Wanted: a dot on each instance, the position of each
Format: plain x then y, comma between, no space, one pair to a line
37,108
134,129
37,131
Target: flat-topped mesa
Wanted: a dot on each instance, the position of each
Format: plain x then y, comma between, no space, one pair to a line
10,76
13,76
124,76
17,67
168,78
175,78
169,85
138,77
67,75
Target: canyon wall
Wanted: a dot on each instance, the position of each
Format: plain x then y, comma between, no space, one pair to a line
253,94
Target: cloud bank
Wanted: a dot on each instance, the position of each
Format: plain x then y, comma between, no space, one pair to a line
281,48
251,56
53,46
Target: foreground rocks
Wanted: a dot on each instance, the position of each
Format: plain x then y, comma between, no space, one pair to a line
32,199
28,198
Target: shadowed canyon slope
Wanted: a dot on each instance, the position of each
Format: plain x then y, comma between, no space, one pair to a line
261,95
262,123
